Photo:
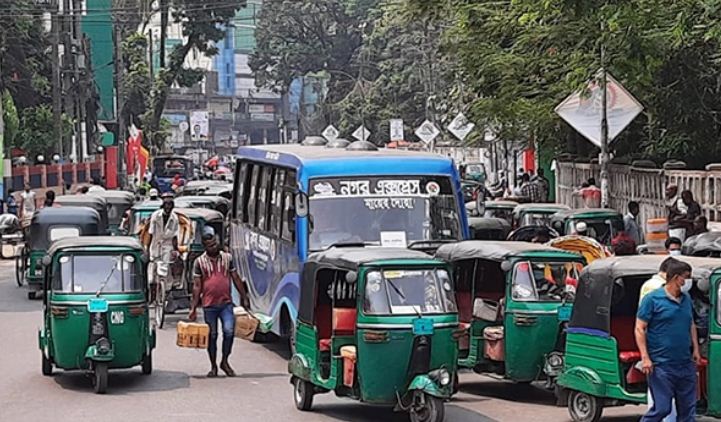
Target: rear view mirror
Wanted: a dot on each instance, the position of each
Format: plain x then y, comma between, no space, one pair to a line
47,260
301,204
351,277
506,266
480,206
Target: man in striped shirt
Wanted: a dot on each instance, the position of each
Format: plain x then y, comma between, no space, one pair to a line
212,275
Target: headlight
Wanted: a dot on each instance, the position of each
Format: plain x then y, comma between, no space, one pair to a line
102,346
441,376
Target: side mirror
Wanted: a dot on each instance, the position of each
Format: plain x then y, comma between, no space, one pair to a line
47,260
506,266
301,204
351,277
291,220
480,206
557,226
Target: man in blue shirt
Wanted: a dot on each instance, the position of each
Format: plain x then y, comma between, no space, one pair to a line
667,339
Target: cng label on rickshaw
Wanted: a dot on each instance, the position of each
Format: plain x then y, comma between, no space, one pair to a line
564,313
117,317
97,304
423,327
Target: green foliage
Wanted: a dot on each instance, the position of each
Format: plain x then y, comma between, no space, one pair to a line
521,58
35,135
10,119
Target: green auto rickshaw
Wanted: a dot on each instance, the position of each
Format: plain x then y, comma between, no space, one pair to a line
601,353
138,216
216,203
96,310
513,300
498,209
601,224
488,228
378,325
118,203
95,202
46,226
533,214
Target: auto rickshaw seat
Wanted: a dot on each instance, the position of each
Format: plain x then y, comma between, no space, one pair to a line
344,321
622,329
465,306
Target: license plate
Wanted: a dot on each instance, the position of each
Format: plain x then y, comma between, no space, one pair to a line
97,304
564,313
423,327
117,317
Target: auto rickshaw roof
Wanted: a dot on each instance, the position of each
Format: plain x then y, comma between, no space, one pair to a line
587,213
95,242
200,213
203,199
501,204
497,250
85,218
488,223
91,200
114,196
591,309
704,242
148,204
540,208
352,258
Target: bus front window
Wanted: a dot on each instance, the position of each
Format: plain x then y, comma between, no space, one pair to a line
363,220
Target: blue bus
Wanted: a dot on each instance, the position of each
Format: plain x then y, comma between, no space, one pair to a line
292,200
165,167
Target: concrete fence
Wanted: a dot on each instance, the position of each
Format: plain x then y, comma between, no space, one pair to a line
645,186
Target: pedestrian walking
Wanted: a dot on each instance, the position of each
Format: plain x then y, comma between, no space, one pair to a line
667,339
27,205
12,203
630,223
590,194
543,183
212,275
530,190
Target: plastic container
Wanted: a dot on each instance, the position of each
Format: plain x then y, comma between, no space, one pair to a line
656,234
193,335
348,353
493,345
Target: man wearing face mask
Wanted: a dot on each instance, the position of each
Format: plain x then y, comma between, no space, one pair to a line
673,246
667,339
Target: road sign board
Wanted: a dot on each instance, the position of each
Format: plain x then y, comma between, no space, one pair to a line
361,133
427,131
460,127
397,130
582,110
330,133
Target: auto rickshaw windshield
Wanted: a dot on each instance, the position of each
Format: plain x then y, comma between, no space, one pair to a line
409,292
93,273
544,281
536,219
502,213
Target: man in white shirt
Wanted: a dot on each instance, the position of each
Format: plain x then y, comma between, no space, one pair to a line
630,223
164,231
27,205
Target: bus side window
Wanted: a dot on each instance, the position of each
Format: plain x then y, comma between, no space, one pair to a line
263,190
247,183
240,197
253,197
276,207
288,203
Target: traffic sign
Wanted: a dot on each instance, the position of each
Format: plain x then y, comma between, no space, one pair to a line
427,132
361,133
582,110
330,133
397,130
460,127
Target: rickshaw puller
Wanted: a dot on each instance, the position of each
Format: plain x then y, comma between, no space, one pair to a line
212,274
164,232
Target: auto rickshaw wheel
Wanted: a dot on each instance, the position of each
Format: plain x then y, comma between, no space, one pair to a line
302,394
431,409
147,364
100,378
20,261
47,366
584,407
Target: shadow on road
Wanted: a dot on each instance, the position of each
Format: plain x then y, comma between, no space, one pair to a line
509,391
126,382
356,412
12,297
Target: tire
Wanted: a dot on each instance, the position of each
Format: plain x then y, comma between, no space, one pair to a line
20,269
584,407
432,410
302,394
47,366
147,365
32,295
288,331
100,378
159,308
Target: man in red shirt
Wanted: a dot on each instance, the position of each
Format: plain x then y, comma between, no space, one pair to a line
590,193
212,275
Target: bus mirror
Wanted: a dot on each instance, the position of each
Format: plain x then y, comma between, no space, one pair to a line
480,206
301,204
351,277
47,260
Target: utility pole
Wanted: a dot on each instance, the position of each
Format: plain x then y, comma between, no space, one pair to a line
2,146
120,98
78,62
56,81
150,53
163,31
604,159
66,69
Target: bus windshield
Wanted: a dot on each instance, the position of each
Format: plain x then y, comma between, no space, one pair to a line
169,167
383,215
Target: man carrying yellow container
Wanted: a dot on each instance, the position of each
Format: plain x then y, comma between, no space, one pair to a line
212,275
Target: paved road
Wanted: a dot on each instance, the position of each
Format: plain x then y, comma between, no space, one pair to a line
177,390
